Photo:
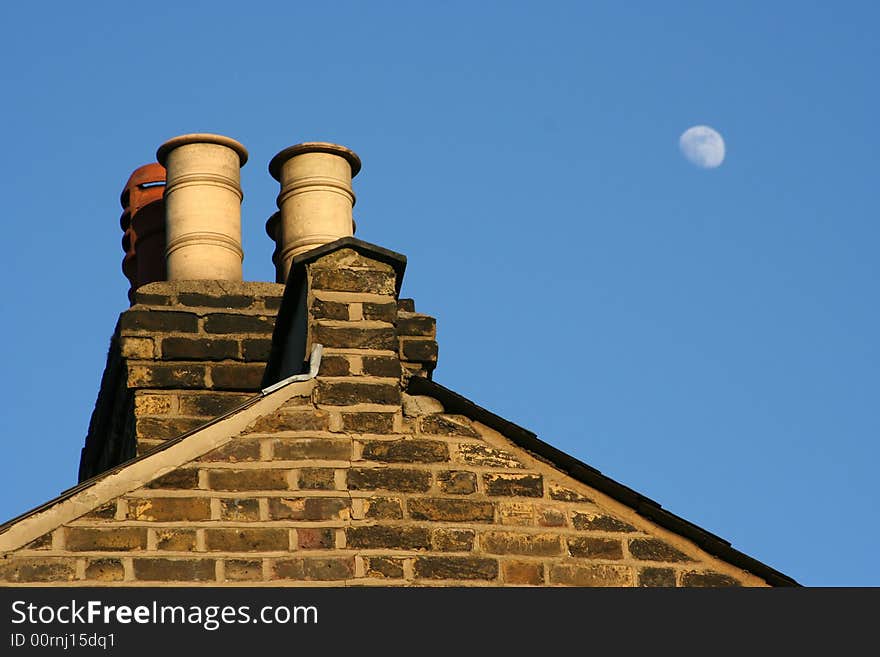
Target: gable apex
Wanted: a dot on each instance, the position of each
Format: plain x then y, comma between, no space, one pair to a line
397,261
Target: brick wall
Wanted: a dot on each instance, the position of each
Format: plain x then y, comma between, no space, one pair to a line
354,483
183,354
346,495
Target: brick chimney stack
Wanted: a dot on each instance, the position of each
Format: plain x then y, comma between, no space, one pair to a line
196,343
203,207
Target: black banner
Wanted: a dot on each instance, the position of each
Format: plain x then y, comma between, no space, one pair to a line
392,621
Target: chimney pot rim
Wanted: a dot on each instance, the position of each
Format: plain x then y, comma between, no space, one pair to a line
314,147
145,174
201,138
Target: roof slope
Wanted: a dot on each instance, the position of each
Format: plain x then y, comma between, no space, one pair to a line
290,491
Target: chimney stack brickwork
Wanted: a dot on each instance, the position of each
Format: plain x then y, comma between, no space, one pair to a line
183,354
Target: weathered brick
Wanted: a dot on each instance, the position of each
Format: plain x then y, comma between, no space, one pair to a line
563,494
246,540
402,480
37,569
457,482
288,569
219,301
382,312
334,366
240,509
79,539
406,305
287,420
147,403
240,376
272,302
587,521
309,508
407,450
315,538
353,280
132,347
485,456
198,349
383,508
595,548
328,568
316,449
656,577
523,572
345,393
317,479
385,567
166,375
653,549
320,309
591,575
708,579
106,511
243,570
384,536
44,542
181,478
145,299
368,422
210,404
315,568
520,485
456,568
442,424
550,517
256,349
354,336
516,513
225,323
421,350
387,366
166,428
105,570
176,540
451,510
165,321
538,545
165,509
262,479
351,259
421,325
236,450
174,570
448,539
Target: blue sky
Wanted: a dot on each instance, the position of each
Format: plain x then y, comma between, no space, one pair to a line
707,337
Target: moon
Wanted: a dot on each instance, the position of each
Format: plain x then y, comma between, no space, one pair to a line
702,146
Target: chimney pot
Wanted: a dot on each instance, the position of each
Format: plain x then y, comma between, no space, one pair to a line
315,201
203,206
143,223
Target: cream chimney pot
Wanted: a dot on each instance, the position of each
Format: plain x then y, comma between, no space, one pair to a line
316,198
203,206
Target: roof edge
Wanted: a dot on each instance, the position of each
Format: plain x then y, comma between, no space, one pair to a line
644,506
134,473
